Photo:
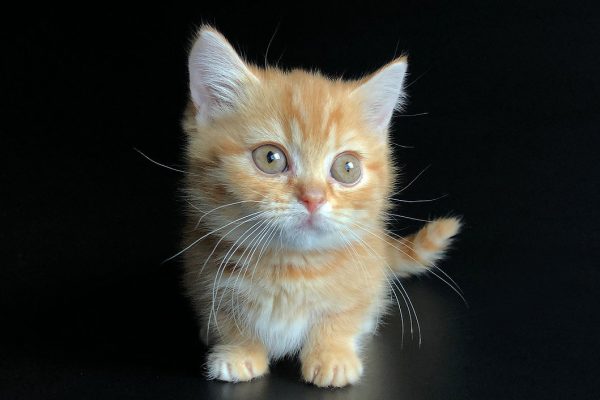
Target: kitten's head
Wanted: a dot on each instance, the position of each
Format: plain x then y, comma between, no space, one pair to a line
291,155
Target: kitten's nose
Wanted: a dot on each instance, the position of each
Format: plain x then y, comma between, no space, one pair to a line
312,198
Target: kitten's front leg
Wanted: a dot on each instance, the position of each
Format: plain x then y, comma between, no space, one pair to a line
236,357
329,357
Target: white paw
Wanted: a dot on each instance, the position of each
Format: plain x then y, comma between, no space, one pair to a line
236,365
332,368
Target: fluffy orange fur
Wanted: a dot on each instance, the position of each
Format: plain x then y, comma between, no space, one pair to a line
263,285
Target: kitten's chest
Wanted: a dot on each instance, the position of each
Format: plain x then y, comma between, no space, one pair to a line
282,315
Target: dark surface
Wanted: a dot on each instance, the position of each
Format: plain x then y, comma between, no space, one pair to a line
512,95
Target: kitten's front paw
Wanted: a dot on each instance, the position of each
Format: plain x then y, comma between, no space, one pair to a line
236,363
336,368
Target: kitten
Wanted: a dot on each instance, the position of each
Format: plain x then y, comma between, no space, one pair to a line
289,179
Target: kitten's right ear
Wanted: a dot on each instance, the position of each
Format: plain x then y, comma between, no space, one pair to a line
382,93
218,76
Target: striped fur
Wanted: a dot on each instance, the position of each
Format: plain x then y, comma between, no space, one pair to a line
263,282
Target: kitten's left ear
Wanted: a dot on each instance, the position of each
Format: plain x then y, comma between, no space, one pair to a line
382,93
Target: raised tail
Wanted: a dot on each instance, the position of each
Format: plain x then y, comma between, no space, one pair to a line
417,253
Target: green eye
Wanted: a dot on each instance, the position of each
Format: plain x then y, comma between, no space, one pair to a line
270,159
346,169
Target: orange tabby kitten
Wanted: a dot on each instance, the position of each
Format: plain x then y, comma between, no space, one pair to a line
289,179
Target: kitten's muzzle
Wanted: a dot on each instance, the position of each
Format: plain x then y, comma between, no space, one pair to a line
312,198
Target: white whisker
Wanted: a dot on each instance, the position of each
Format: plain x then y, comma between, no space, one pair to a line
412,115
450,286
406,217
401,241
246,264
401,145
250,249
417,201
392,292
163,165
398,282
413,181
226,205
208,234
403,292
458,291
221,270
274,231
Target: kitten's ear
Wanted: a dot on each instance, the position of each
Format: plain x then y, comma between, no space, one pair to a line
382,93
218,76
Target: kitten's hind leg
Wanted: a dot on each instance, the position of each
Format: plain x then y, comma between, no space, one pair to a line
418,252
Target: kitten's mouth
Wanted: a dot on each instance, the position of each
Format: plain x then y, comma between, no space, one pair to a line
310,232
308,223
313,223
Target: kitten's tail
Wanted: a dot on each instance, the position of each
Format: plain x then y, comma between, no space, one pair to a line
417,253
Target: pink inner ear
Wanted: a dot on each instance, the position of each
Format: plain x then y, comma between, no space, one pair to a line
382,94
384,119
207,99
217,74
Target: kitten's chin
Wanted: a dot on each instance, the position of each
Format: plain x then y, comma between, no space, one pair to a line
307,236
308,241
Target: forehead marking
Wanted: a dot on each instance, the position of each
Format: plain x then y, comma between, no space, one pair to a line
332,136
326,113
296,132
298,105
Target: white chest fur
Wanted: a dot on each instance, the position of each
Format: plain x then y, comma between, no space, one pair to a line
280,316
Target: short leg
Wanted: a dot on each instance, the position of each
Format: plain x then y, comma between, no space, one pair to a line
329,357
237,358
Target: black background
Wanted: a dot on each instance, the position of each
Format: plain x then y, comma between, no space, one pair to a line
512,93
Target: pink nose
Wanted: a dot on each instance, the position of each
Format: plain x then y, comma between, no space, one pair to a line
312,199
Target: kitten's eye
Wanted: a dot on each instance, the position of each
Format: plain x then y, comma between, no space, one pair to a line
270,159
346,169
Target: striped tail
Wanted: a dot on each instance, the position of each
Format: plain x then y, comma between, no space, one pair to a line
417,253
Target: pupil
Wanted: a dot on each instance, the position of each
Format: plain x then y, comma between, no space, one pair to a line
272,157
348,166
